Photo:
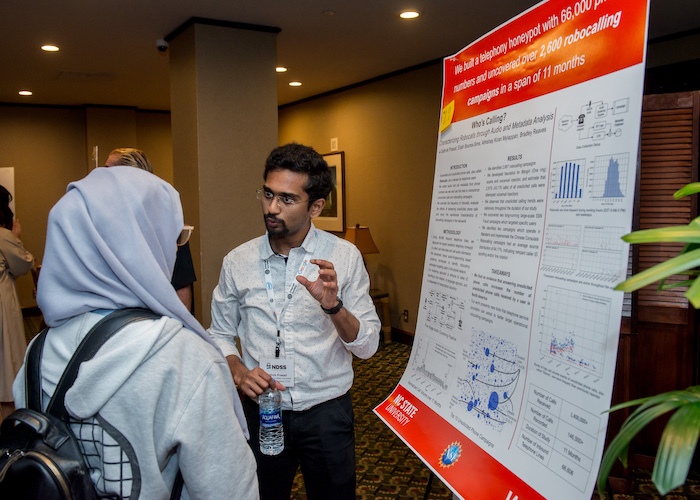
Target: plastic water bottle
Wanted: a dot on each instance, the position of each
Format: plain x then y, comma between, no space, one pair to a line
271,431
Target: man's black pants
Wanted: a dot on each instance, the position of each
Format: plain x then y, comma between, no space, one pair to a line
321,440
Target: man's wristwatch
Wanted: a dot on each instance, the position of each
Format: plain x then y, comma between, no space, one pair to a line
335,309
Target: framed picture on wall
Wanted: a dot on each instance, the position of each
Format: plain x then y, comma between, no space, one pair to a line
333,216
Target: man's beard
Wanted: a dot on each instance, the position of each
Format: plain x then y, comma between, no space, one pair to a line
280,230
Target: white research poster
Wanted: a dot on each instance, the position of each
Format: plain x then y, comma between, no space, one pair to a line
514,355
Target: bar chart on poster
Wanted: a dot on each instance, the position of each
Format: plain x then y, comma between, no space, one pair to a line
512,366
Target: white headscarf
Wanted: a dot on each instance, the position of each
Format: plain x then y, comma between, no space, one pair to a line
111,244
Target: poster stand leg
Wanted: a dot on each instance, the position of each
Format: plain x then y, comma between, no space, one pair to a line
608,490
430,484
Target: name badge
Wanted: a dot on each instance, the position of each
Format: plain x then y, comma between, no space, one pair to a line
281,369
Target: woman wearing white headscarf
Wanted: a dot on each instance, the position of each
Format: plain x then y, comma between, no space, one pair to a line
159,388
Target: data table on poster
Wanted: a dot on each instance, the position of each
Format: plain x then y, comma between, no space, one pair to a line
559,435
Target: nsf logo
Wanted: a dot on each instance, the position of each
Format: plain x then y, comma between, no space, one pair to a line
450,456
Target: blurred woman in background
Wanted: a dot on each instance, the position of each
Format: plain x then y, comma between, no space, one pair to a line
14,262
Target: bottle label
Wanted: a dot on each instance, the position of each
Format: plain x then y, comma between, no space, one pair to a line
270,419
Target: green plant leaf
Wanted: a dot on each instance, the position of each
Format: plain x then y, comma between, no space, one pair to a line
688,189
680,436
676,448
691,395
687,234
650,409
635,422
693,294
689,247
627,404
676,265
663,286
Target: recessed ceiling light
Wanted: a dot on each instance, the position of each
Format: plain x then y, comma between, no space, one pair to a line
328,13
25,92
295,84
280,69
49,48
409,14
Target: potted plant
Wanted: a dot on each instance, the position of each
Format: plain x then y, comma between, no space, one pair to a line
680,435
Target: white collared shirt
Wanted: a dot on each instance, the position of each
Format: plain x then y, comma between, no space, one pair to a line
322,360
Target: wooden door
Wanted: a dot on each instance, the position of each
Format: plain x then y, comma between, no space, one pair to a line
659,343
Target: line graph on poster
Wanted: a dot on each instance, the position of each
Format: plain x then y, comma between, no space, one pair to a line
485,392
591,252
562,244
433,363
602,253
573,330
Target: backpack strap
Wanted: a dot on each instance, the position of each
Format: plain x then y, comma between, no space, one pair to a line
98,335
32,372
177,487
95,338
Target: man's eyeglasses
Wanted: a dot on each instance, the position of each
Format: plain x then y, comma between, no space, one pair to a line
185,235
282,200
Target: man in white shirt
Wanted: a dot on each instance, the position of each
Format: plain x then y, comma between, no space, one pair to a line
298,297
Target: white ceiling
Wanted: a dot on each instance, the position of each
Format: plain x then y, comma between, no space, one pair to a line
108,50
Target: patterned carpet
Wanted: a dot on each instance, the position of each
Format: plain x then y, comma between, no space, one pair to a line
643,488
33,322
386,468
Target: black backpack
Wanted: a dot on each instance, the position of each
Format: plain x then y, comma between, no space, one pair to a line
39,455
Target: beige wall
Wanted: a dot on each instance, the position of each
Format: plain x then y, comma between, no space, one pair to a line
108,128
105,130
388,131
48,148
153,136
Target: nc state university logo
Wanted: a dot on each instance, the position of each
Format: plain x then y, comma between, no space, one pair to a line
450,456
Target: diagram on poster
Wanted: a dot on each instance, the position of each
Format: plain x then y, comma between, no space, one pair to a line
444,310
598,120
487,388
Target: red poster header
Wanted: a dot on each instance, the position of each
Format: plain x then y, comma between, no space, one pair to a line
555,45
469,470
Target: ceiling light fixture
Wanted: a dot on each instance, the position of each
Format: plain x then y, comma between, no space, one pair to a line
49,48
25,92
409,14
295,84
280,69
